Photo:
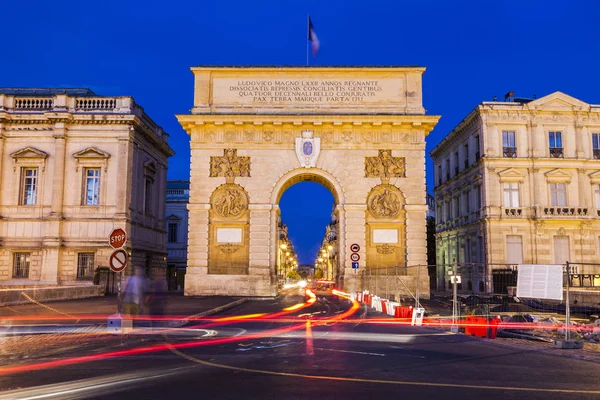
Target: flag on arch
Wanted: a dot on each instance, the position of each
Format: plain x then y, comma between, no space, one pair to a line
312,37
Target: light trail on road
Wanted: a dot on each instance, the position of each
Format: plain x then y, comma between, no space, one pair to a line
163,347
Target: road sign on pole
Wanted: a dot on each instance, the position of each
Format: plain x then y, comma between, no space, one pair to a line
355,265
117,238
118,260
355,248
354,257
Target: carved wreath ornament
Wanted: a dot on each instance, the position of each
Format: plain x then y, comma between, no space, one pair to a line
383,202
230,201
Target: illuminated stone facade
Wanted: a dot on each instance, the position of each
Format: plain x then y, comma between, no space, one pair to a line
257,131
519,182
73,166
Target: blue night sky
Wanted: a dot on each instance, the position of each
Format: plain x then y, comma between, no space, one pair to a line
473,50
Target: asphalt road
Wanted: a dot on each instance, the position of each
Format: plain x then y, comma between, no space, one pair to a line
284,357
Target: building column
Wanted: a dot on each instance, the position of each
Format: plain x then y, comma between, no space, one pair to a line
584,186
58,185
125,148
579,140
1,156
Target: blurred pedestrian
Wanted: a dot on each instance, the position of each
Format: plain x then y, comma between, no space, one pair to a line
133,292
157,300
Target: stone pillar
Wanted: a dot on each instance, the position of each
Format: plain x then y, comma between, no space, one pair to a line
1,157
260,269
416,246
352,230
275,252
584,185
579,140
197,255
50,263
125,148
58,181
539,148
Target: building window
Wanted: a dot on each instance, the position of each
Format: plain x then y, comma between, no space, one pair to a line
29,186
148,196
558,194
467,202
448,169
596,145
511,194
457,207
447,210
456,163
21,263
85,266
172,232
92,187
514,249
466,155
477,151
439,175
556,145
509,144
597,196
477,198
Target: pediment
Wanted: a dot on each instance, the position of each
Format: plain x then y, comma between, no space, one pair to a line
595,177
511,174
29,152
173,217
558,175
557,101
91,152
150,166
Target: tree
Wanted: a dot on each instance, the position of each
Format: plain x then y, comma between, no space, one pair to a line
318,274
293,275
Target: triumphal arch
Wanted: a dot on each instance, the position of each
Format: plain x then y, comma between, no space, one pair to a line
360,132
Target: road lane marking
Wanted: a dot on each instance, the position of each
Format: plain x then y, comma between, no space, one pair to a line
350,351
381,381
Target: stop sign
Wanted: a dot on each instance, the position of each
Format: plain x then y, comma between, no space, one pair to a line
117,238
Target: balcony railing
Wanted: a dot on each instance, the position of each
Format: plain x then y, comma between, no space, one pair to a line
597,154
510,152
33,103
513,212
87,103
556,152
565,211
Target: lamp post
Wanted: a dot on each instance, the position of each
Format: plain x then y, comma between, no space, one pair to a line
329,264
282,248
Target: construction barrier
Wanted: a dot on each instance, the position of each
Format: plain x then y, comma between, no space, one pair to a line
479,327
403,312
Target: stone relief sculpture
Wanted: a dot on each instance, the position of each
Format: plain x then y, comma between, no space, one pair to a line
384,202
385,166
230,166
230,201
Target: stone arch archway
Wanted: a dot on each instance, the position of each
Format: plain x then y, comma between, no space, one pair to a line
265,129
330,182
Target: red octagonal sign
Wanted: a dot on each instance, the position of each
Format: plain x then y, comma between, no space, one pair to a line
117,238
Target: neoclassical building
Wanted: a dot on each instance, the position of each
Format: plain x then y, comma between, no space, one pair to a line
518,181
178,197
360,132
73,166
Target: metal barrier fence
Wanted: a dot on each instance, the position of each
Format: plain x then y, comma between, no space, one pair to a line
484,284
